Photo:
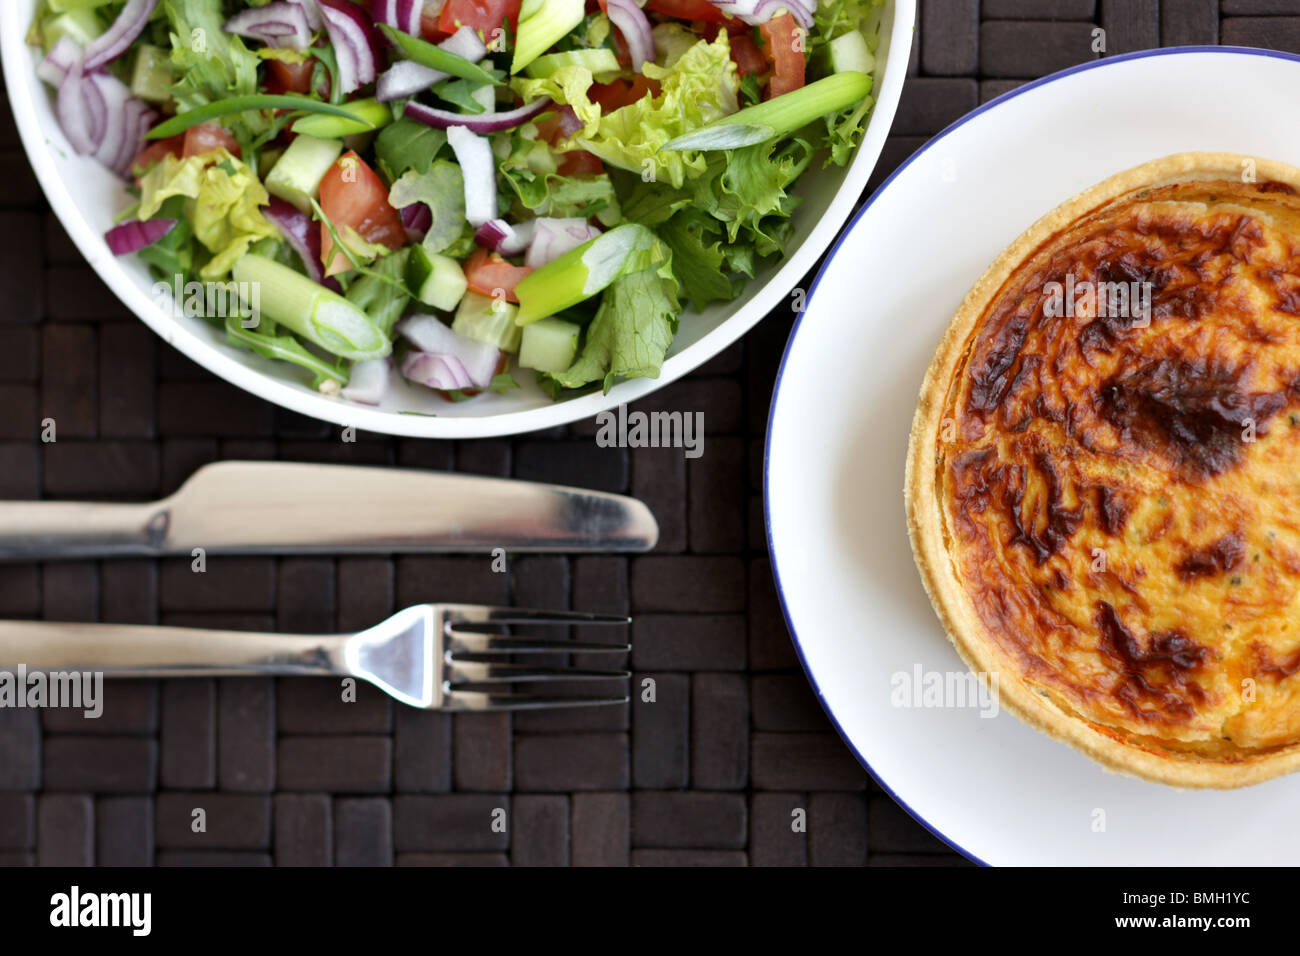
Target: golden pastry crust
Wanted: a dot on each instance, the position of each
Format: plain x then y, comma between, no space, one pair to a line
1103,479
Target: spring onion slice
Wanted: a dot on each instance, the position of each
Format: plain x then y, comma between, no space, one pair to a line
436,58
241,104
776,117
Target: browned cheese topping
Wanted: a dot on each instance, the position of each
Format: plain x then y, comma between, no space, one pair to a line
1119,467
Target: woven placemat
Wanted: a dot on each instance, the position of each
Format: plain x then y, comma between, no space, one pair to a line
713,772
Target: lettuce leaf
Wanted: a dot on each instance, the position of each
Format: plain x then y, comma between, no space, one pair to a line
265,341
747,191
441,187
699,261
699,87
210,63
406,145
223,211
173,254
382,295
567,86
844,131
834,18
630,334
736,212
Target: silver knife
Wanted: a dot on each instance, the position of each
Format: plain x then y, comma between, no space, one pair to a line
247,507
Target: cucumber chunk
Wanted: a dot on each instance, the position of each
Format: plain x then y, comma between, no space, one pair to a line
850,53
81,26
485,319
151,80
549,345
296,177
436,280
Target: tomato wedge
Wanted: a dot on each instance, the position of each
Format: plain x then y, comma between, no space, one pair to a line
579,162
745,53
688,10
289,77
609,96
619,93
206,137
482,15
195,141
353,197
783,44
642,86
429,26
487,272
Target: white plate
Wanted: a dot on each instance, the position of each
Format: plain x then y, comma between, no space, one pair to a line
86,197
994,789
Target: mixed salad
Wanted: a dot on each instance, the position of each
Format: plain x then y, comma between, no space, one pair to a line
456,190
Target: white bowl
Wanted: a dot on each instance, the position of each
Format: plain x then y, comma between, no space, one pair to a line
86,197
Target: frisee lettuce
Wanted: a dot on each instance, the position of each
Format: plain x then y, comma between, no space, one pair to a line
209,63
224,209
699,87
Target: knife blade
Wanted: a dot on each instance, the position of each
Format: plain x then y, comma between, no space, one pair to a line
247,507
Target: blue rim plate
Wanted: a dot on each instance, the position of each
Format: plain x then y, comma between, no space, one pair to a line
1122,110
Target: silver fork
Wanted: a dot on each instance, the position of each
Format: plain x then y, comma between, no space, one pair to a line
435,656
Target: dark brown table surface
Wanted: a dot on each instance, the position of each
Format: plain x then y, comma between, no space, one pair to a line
287,773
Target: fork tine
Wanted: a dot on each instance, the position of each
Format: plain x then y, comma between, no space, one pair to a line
461,614
463,672
485,700
479,642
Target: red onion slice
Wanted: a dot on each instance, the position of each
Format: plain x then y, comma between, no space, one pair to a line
59,60
401,15
352,35
279,24
148,117
114,94
446,360
312,11
478,165
483,125
303,236
499,236
370,382
756,12
133,236
635,28
799,9
136,115
552,238
417,218
115,41
465,42
74,111
406,78
385,11
446,373
409,13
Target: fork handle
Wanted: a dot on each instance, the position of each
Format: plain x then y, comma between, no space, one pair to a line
124,650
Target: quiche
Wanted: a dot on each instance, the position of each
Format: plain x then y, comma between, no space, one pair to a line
1103,478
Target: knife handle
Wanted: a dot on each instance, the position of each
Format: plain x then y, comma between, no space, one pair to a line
125,650
44,530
